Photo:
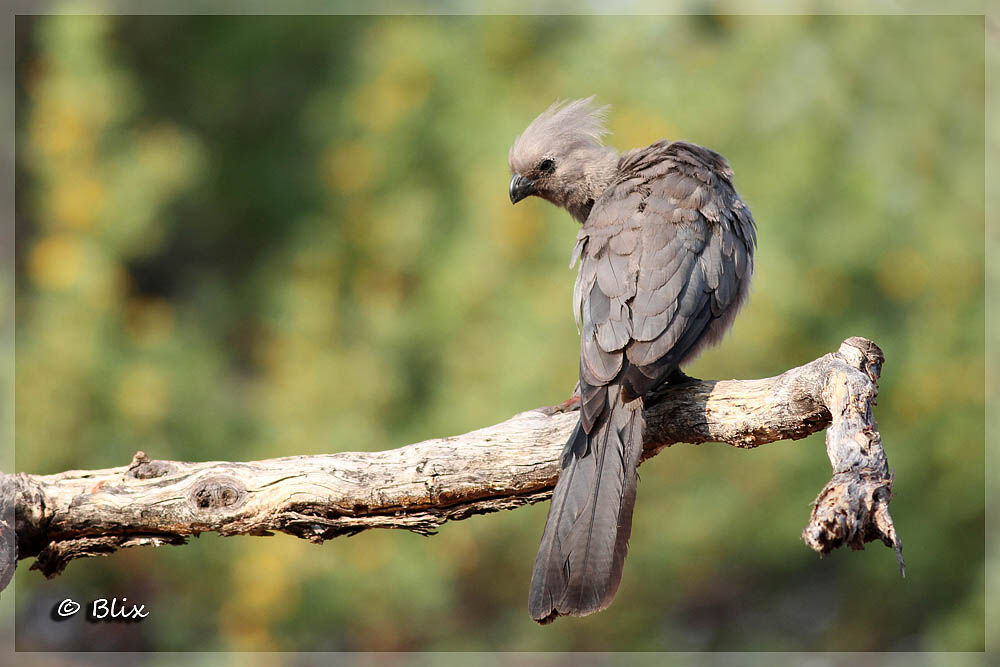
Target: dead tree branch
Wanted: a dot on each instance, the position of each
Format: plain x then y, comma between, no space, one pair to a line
82,513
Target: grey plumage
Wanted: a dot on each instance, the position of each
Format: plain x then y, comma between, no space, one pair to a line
666,255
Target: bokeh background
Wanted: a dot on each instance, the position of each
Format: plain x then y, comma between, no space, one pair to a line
250,237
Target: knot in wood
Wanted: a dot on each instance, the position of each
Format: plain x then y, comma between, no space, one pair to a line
217,493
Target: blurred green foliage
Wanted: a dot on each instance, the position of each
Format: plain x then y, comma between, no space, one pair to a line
249,237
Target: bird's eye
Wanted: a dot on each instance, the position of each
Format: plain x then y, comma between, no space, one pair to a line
546,166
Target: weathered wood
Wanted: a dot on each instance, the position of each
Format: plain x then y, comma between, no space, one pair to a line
853,508
82,513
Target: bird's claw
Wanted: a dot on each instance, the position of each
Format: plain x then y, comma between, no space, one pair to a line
680,377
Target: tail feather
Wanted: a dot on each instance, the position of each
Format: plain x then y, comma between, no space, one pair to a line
583,547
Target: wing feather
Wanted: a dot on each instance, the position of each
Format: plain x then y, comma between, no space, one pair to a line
671,263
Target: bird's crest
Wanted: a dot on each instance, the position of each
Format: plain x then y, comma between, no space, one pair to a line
563,127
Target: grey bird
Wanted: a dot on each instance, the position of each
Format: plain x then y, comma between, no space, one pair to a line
666,255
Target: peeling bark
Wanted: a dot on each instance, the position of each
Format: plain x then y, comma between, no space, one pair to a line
81,513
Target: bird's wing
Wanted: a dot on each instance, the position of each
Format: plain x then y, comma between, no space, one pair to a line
666,257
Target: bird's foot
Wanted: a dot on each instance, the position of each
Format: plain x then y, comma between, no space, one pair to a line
680,377
571,404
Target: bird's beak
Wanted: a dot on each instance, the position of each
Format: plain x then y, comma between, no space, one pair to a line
520,187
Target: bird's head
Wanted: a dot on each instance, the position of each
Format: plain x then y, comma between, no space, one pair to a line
559,157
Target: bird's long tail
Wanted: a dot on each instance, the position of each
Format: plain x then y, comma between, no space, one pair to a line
579,562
